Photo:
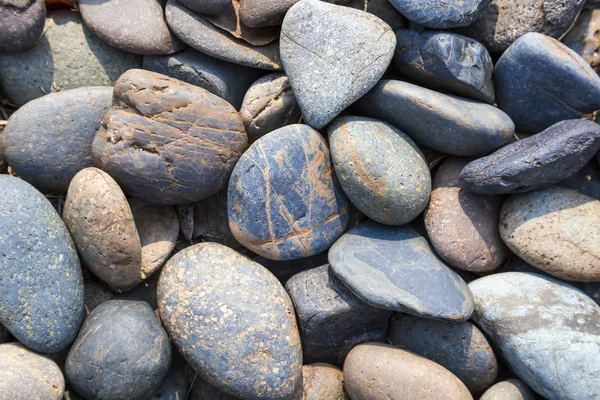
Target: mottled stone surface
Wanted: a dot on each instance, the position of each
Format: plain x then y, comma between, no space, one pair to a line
446,61
101,223
206,7
166,141
394,268
348,51
208,294
438,14
21,23
585,181
48,140
283,202
556,230
546,330
67,56
122,352
522,77
512,389
41,287
382,171
463,226
584,38
25,375
95,294
322,382
445,123
376,371
332,320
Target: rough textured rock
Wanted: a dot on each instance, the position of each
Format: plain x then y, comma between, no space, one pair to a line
522,90
584,38
21,23
382,171
348,51
41,287
556,230
394,268
512,389
206,7
101,223
67,56
48,140
546,330
269,104
202,309
438,14
96,294
585,181
166,141
283,202
441,122
375,371
322,382
463,226
332,320
446,61
25,375
122,352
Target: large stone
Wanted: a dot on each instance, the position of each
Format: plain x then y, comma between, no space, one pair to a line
584,39
441,122
382,171
206,7
347,52
439,14
522,90
41,286
21,23
394,268
546,330
512,389
48,140
166,141
322,382
209,294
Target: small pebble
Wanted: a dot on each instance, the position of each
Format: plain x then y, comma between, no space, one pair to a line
322,382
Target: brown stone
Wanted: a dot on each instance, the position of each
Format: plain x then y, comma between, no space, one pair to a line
322,381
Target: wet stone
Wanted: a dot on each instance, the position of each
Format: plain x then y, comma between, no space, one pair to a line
21,23
584,39
322,382
512,389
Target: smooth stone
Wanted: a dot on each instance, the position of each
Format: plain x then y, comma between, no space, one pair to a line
226,80
457,346
512,389
166,141
175,385
48,140
547,331
283,202
445,123
25,375
202,35
347,52
67,56
122,352
134,26
381,170
99,218
556,230
322,382
439,14
463,226
536,162
394,268
522,74
206,7
21,23
41,286
585,181
376,371
208,294
95,294
446,61
269,104
331,319
583,38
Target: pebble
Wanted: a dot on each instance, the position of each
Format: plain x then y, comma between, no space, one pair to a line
206,7
512,389
202,311
546,330
283,202
585,181
48,140
394,268
583,38
438,14
322,382
381,170
25,375
41,286
347,50
122,352
21,23
445,123
332,320
522,74
166,141
67,56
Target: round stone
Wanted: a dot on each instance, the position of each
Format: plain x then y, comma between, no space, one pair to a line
21,23
322,382
512,389
439,14
583,38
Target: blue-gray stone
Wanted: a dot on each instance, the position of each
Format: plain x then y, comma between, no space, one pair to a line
394,268
441,14
41,286
21,23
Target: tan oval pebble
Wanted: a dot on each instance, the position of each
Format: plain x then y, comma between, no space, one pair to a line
512,389
322,381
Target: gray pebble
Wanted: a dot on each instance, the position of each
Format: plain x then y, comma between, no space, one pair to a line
21,23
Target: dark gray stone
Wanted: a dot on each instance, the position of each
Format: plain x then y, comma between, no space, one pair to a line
585,181
21,23
5,336
512,389
41,287
445,123
394,268
523,90
440,14
206,7
583,38
48,140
